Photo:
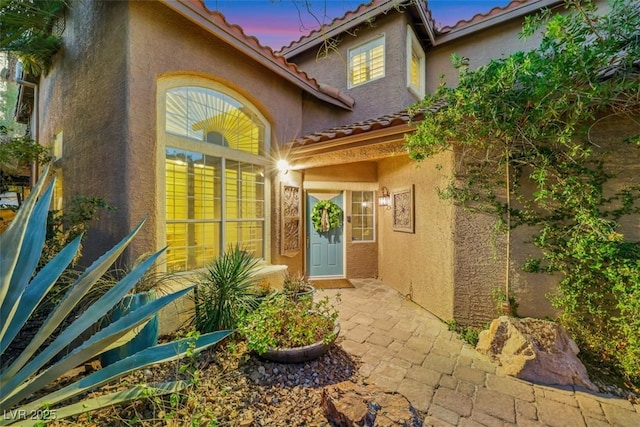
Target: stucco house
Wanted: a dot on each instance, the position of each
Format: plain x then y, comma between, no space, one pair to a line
176,116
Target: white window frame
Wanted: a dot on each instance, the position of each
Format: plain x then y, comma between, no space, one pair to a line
414,48
364,48
181,142
56,149
373,215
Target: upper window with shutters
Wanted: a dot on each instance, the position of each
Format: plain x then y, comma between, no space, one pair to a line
415,65
366,62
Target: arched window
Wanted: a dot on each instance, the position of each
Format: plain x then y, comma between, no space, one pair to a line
215,187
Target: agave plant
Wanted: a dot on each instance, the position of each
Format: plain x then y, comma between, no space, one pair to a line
21,289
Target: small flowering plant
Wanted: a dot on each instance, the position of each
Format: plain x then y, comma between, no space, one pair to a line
281,322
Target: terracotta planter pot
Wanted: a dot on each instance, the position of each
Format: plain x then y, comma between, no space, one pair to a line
304,295
301,354
261,299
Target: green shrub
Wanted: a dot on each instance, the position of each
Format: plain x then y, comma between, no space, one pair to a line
27,30
282,322
225,290
63,227
468,334
600,298
522,127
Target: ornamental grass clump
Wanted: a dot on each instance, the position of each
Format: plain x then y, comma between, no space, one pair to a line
281,322
225,290
293,284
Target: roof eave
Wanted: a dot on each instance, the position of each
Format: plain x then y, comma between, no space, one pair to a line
347,25
427,22
202,20
500,18
376,136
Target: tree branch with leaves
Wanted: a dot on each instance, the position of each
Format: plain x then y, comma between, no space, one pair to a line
27,29
527,121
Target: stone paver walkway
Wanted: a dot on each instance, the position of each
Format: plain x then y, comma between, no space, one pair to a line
406,349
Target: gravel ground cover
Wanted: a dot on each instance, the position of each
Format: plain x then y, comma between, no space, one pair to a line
233,388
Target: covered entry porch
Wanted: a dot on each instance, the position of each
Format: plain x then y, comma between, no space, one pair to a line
408,242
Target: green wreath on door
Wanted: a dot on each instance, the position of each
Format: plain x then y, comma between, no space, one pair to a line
326,216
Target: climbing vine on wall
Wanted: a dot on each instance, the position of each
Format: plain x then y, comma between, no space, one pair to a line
522,131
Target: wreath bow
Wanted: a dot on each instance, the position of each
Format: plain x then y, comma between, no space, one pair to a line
324,220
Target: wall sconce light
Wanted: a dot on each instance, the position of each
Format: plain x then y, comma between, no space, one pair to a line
283,166
384,199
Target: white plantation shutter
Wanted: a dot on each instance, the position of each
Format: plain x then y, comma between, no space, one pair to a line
216,193
415,64
414,71
366,62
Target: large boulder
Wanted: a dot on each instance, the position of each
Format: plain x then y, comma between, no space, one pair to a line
535,350
347,404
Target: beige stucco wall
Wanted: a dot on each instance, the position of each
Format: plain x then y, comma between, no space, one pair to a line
481,47
85,97
479,267
103,96
373,99
419,265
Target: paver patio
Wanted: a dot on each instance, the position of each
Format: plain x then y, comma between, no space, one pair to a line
406,349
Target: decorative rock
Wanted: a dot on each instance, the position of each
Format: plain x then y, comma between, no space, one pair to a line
535,350
246,419
347,404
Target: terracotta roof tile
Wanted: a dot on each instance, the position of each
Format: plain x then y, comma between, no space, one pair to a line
219,20
483,16
344,18
389,120
349,16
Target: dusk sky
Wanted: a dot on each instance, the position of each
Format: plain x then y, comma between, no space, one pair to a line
276,23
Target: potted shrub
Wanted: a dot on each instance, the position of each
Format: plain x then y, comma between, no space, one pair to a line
298,287
148,288
285,330
263,290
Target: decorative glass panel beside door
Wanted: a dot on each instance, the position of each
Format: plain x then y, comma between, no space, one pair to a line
362,215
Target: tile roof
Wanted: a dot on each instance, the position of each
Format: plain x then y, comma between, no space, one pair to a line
236,36
344,22
497,15
403,117
366,11
498,10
